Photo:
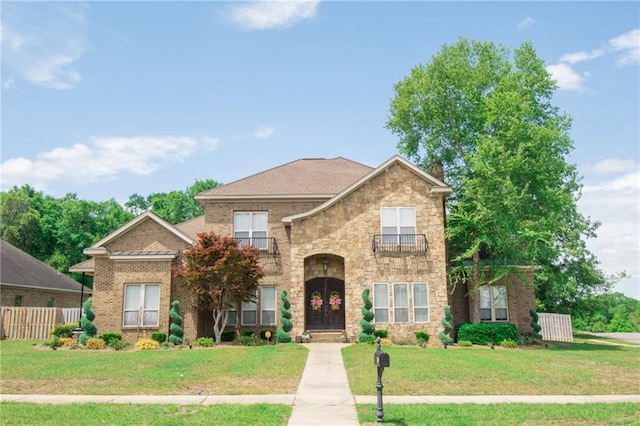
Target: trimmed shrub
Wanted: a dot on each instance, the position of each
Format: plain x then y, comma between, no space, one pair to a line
111,336
205,342
176,324
228,336
145,344
422,337
118,345
159,336
535,334
89,329
53,343
483,333
65,341
381,333
446,324
283,335
508,343
366,335
464,343
251,340
95,343
64,330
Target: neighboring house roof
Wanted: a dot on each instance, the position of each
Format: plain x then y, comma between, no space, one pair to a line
439,187
20,269
98,249
305,178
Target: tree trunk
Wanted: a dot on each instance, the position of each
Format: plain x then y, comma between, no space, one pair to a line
219,322
474,289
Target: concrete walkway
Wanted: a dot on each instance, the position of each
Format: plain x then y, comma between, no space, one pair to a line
323,395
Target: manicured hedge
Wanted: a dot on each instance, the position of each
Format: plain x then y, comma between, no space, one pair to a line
484,333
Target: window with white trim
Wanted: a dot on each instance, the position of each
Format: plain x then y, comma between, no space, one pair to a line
141,305
250,228
400,303
249,313
267,305
420,302
381,303
398,225
232,316
493,303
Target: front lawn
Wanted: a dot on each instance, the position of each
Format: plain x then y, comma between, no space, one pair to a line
148,414
222,370
561,369
503,414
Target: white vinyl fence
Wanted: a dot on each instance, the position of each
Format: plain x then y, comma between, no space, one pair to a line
71,315
556,327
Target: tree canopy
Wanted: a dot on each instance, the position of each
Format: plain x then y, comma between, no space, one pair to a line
222,273
485,115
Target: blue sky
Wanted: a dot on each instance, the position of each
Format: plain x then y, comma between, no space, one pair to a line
108,99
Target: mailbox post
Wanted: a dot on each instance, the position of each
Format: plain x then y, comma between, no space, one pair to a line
381,360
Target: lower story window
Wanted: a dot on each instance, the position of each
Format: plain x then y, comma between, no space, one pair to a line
17,301
493,303
381,303
141,305
420,302
400,303
249,313
268,305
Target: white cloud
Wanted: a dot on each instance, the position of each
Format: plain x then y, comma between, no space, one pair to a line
614,200
628,44
613,165
566,77
526,23
263,132
43,42
101,159
573,58
270,14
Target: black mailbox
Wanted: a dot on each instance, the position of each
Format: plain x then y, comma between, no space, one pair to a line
381,359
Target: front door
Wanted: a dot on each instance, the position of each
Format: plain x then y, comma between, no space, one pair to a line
325,304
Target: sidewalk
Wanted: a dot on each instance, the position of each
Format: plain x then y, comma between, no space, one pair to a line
323,396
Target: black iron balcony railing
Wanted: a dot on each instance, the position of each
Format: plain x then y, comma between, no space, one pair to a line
400,244
267,245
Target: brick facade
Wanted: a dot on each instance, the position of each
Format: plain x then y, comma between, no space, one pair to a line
40,298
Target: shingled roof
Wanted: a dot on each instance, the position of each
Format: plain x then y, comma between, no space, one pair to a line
20,269
305,178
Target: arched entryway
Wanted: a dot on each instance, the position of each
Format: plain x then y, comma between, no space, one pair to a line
324,304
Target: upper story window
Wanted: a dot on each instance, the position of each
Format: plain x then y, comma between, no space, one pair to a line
250,228
398,225
493,303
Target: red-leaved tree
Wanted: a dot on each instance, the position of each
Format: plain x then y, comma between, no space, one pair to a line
222,274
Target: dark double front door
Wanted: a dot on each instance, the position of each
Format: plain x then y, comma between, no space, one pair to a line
324,299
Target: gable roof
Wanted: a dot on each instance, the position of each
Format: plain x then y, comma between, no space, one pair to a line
97,248
20,269
304,178
439,187
193,227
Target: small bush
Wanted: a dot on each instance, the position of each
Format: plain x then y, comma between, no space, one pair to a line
464,343
251,340
483,333
228,336
118,345
382,333
144,344
65,341
159,337
53,343
508,343
166,345
205,342
95,343
422,337
109,337
64,330
396,341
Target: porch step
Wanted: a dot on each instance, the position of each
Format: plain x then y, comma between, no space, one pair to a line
326,337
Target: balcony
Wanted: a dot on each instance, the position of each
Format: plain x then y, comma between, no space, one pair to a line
267,245
400,244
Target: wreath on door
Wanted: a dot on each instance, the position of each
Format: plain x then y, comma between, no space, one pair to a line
335,301
316,301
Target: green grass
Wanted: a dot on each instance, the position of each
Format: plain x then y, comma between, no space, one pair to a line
503,414
147,414
223,370
563,369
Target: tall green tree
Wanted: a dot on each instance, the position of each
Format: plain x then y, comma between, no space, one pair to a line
485,115
222,274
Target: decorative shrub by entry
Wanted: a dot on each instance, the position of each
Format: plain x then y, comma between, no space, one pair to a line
176,324
89,329
483,333
366,335
283,335
159,337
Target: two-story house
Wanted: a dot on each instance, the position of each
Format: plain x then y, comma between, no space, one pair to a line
326,228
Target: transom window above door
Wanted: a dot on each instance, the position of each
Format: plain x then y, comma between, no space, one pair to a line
250,228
